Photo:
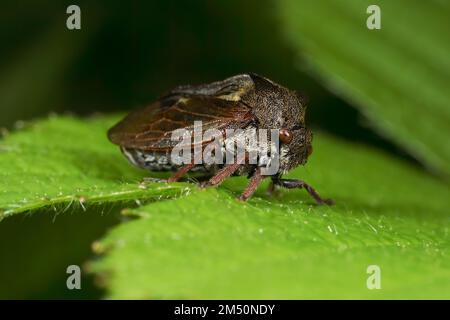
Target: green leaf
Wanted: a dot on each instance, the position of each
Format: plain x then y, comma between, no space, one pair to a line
398,75
65,162
208,245
205,244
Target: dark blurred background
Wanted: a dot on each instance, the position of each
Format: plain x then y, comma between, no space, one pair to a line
126,54
129,52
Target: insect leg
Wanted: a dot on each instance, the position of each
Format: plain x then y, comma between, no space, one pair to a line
173,178
291,184
221,175
153,180
177,175
272,189
255,180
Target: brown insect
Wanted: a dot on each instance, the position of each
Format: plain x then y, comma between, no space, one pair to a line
246,102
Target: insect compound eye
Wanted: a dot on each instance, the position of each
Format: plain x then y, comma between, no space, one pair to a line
285,136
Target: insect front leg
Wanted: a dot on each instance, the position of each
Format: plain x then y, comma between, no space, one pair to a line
293,183
272,188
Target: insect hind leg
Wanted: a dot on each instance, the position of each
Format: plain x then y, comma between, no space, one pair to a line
153,180
173,178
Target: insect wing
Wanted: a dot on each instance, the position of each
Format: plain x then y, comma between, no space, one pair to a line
151,128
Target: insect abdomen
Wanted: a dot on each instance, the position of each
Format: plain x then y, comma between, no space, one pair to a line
154,161
159,161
